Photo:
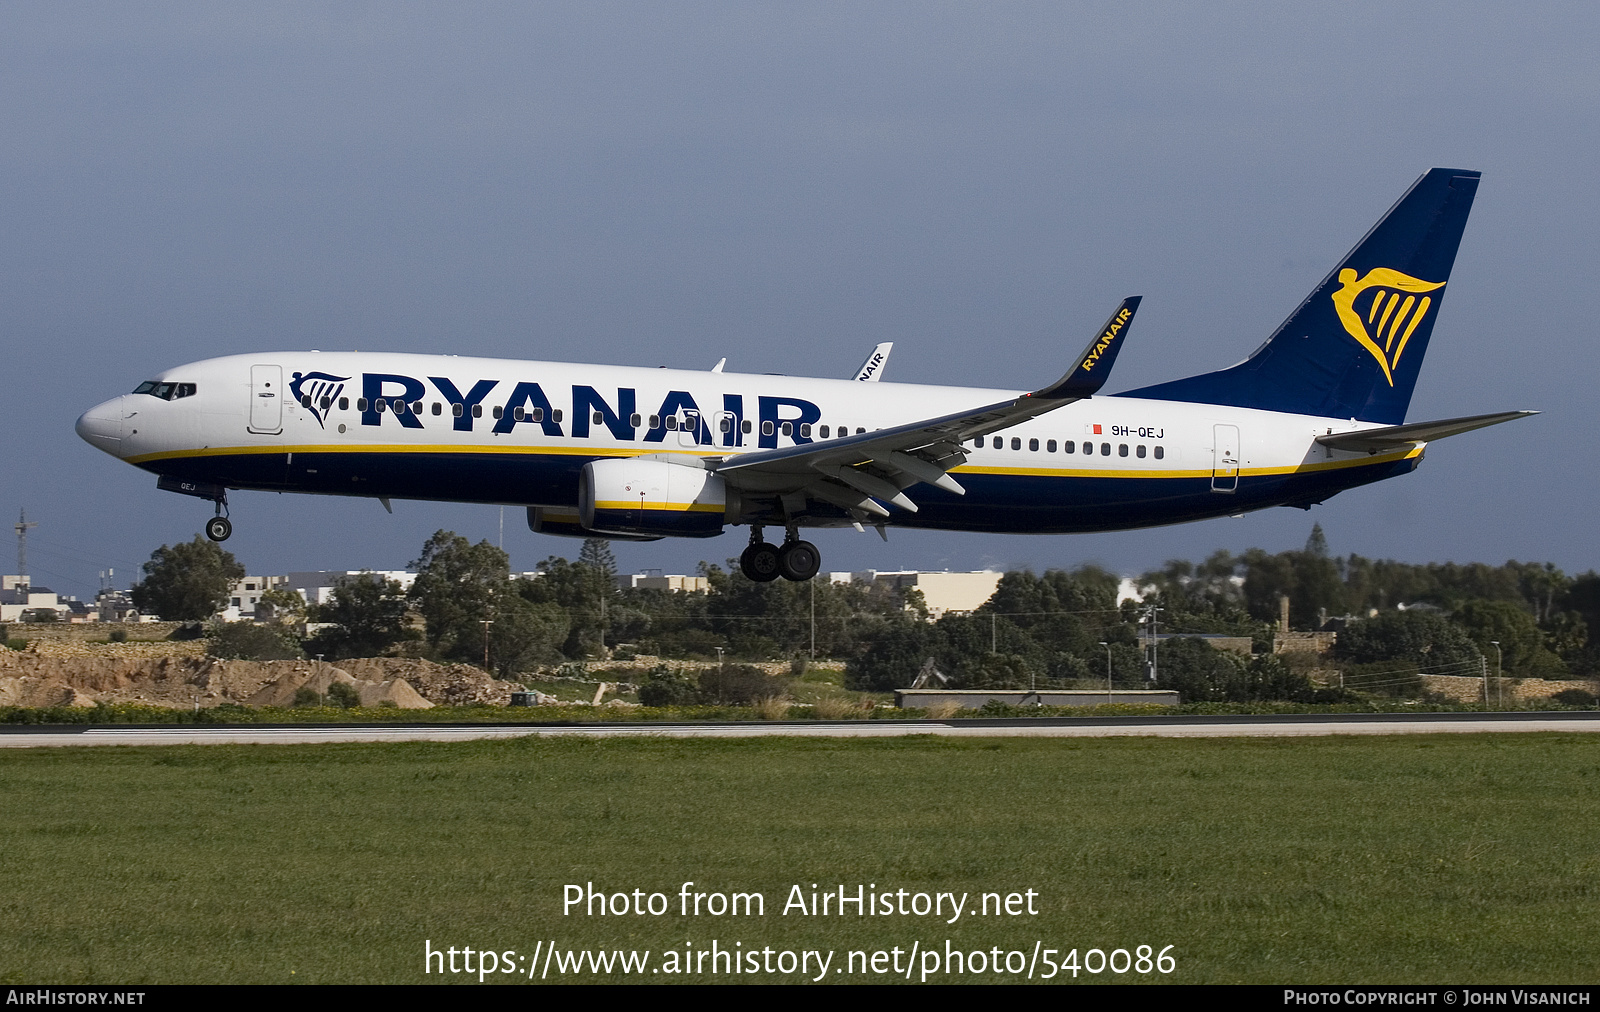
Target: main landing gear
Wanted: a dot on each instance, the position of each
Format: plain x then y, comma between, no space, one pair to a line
796,560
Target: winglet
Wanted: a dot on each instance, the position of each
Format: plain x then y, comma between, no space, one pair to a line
872,369
1093,367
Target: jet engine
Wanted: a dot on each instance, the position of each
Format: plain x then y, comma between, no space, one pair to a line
661,498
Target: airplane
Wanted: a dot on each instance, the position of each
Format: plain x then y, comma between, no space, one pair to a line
642,454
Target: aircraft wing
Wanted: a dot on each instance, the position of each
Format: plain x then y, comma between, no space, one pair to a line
1393,436
853,471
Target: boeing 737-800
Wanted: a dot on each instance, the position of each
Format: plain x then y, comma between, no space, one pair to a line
636,453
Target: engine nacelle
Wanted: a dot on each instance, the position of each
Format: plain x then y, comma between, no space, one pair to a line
652,498
563,523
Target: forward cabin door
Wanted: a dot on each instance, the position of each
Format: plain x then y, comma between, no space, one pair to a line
266,398
1225,458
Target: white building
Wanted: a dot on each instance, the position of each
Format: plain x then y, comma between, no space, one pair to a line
18,595
654,579
941,592
317,587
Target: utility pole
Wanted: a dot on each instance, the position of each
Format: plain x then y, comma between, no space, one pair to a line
1499,684
1108,670
487,622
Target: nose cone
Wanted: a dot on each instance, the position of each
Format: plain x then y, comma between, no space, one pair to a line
101,426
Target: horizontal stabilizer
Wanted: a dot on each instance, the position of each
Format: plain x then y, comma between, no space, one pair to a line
1394,436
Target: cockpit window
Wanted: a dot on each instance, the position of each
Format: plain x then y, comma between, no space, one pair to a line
165,391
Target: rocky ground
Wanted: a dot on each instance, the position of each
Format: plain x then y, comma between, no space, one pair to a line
181,675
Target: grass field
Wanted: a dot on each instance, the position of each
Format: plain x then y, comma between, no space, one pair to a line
1459,858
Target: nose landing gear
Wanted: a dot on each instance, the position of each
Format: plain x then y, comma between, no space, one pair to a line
219,527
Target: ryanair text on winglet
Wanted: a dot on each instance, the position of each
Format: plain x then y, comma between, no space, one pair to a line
1105,339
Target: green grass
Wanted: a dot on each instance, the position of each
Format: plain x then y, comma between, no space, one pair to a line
1461,858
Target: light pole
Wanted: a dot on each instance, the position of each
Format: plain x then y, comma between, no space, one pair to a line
1108,669
1499,686
487,622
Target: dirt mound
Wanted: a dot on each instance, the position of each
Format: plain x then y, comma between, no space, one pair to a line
44,679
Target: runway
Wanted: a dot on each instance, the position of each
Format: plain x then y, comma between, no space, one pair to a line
1230,726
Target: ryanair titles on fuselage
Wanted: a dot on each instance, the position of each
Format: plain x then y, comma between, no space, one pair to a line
528,403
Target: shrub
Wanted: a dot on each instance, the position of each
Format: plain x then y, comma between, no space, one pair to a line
739,685
1575,697
247,641
118,636
668,686
307,696
343,694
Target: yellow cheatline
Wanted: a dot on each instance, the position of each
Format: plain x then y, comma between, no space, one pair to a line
1055,472
670,507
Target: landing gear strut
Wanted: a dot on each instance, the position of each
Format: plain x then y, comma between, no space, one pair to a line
219,527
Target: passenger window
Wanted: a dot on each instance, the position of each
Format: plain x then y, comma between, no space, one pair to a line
726,424
327,402
361,404
1122,449
305,400
458,410
1016,443
1069,446
634,420
477,411
824,432
555,416
599,419
1158,453
1140,451
1088,448
1033,444
766,428
499,412
399,406
344,404
517,414
746,426
655,421
860,430
788,429
672,423
1105,449
1050,447
379,404
999,443
805,429
537,414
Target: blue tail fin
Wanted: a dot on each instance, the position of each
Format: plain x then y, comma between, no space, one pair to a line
1354,347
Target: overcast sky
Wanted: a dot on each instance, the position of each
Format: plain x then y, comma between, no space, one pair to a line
785,185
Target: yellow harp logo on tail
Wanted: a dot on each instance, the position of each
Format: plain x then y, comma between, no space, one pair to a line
1388,314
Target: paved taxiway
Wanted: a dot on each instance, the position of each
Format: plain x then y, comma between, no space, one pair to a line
1232,726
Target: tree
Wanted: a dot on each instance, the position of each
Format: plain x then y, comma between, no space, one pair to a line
186,582
457,589
1421,638
369,617
523,634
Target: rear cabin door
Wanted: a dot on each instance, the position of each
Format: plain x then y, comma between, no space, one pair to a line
1225,458
266,398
